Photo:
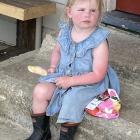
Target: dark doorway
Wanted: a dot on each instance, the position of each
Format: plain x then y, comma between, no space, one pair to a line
130,6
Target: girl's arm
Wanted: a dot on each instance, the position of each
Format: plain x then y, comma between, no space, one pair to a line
54,58
100,65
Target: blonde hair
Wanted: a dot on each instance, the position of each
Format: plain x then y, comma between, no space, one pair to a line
71,3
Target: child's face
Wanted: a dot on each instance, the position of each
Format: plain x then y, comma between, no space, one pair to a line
84,13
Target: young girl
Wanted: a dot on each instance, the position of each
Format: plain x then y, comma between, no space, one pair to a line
78,72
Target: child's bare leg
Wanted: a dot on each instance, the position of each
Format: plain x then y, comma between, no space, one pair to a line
41,96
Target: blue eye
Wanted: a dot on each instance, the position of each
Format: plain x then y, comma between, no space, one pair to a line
93,10
81,9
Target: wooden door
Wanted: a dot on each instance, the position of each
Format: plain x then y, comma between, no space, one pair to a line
130,6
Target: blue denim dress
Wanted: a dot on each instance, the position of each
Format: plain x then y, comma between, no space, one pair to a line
76,59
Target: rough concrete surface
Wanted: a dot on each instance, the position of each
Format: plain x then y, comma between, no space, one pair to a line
125,54
11,131
16,85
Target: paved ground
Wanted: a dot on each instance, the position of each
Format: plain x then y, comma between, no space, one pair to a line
11,131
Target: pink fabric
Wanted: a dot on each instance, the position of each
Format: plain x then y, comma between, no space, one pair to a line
106,105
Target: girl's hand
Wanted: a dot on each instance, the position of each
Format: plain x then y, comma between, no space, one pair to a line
63,82
51,70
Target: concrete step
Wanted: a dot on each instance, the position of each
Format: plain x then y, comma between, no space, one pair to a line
125,54
11,131
16,85
127,127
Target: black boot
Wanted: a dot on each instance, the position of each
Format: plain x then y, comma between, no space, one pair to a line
41,127
67,132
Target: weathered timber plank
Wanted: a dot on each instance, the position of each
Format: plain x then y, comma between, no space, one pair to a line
25,3
35,12
25,10
16,3
26,34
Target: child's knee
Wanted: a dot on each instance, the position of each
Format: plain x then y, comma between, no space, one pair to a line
39,92
43,91
40,88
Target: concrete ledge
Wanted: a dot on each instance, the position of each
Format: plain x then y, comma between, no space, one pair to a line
124,54
16,86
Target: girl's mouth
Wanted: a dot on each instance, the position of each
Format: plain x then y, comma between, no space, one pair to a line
86,21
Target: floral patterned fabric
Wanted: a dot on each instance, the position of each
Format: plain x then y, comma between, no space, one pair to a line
106,105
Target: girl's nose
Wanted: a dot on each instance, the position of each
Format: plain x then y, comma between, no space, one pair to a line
87,13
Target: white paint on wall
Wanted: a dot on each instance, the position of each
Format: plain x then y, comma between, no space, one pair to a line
110,5
51,21
7,30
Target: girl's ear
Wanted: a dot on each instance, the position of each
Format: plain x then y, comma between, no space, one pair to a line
68,12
